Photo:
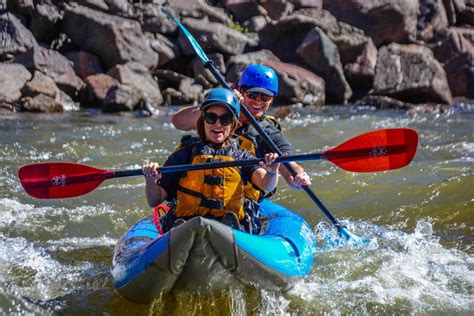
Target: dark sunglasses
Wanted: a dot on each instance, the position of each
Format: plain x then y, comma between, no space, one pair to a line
261,96
211,118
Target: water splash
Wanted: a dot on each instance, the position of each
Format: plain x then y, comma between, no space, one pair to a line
400,272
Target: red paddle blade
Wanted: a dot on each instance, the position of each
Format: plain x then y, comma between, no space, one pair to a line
53,180
381,150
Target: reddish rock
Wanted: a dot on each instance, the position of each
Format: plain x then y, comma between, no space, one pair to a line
454,48
85,64
236,64
277,9
318,51
297,85
96,89
139,79
113,39
385,21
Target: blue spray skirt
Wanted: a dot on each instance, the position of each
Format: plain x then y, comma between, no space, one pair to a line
203,255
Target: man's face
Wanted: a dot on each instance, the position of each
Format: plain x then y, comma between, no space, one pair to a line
257,103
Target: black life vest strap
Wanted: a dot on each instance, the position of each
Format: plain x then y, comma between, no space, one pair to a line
205,202
190,192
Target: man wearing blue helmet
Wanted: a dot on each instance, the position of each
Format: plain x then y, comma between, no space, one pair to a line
213,193
257,87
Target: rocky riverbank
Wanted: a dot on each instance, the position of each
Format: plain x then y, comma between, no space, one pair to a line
121,55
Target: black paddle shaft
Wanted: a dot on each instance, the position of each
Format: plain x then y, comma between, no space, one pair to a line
210,65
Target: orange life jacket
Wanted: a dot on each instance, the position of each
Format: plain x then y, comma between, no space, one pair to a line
212,191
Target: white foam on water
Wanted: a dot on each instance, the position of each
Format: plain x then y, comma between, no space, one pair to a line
410,272
74,243
273,303
28,217
34,269
33,273
304,120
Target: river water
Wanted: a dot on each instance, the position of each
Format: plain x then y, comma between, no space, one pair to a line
55,255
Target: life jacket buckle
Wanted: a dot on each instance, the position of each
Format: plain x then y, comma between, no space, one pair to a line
213,179
212,203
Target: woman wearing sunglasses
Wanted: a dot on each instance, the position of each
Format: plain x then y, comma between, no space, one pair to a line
258,85
214,193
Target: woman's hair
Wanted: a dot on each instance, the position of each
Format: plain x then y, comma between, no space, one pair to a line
202,134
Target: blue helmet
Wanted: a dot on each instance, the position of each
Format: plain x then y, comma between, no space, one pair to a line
259,78
224,97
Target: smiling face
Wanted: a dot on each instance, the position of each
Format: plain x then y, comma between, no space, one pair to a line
256,106
217,133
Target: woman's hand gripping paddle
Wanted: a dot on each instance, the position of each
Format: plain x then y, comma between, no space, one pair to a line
380,150
210,66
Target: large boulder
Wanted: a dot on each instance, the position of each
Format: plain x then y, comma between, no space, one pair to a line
24,7
95,92
277,9
466,15
284,36
454,48
242,10
358,53
202,75
122,98
152,18
137,77
41,103
318,4
359,60
40,84
53,64
214,38
411,73
113,39
236,64
297,85
432,19
199,9
167,49
385,21
453,7
178,88
318,51
12,79
84,63
14,37
45,22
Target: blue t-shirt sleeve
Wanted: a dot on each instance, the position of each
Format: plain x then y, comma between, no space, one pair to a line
169,181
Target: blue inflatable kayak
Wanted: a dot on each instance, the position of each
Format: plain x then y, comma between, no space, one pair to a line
204,255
